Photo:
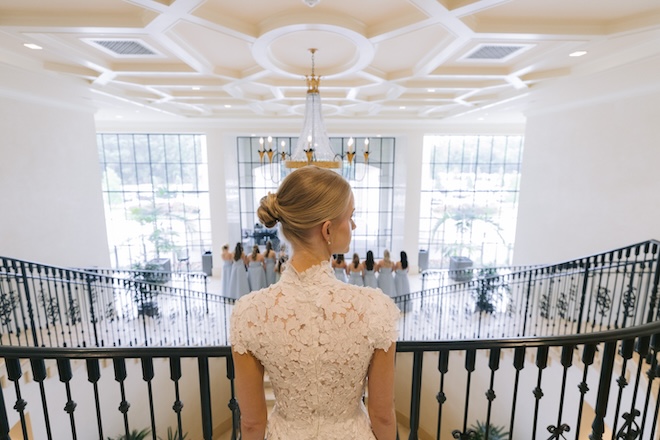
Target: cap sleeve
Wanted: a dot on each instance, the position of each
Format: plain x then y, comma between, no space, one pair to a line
239,326
384,322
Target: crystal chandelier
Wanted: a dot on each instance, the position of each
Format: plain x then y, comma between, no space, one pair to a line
313,145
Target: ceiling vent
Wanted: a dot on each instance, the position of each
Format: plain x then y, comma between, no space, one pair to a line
494,52
123,47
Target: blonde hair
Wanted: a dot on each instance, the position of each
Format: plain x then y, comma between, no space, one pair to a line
306,198
386,255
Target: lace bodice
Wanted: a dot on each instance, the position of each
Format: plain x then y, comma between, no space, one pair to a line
315,337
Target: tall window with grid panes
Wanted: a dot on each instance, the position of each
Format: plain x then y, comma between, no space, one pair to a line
372,179
469,198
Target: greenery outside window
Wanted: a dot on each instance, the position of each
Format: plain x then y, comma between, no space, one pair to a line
155,189
469,198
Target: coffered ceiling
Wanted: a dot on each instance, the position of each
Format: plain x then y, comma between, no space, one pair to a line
378,59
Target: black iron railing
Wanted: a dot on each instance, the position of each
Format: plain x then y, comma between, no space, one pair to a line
588,365
57,307
197,281
599,384
616,289
49,306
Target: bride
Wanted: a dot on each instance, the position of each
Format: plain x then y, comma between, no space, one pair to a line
320,340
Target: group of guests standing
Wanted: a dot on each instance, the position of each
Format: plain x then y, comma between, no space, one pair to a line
243,273
389,276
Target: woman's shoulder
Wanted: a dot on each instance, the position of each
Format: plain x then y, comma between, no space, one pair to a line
374,303
254,301
362,295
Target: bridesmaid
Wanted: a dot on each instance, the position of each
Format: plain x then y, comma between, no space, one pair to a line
227,260
369,271
401,275
339,265
270,257
256,270
238,284
385,277
355,271
282,258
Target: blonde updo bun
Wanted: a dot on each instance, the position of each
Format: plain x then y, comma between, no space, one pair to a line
267,212
306,198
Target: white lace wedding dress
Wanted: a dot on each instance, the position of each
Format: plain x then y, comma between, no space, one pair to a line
315,337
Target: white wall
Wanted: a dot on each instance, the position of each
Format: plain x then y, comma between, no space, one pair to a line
590,167
52,206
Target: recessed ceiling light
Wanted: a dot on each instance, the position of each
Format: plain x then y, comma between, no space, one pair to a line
227,105
430,90
196,88
32,46
119,116
480,119
403,107
577,53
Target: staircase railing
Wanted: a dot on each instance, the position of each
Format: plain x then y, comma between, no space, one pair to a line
43,305
535,388
588,363
50,306
615,289
197,281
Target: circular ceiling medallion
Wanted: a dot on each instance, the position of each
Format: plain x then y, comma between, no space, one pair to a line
340,51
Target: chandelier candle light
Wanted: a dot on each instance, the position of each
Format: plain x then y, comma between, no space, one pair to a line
313,145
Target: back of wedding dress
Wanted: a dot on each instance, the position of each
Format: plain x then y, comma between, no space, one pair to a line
315,337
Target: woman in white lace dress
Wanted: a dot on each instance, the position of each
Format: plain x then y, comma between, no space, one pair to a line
321,341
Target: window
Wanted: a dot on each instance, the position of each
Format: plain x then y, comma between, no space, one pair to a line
372,183
469,199
155,189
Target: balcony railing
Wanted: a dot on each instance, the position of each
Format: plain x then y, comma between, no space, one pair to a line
57,307
612,290
601,384
576,354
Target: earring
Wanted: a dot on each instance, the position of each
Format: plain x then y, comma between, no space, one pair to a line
329,243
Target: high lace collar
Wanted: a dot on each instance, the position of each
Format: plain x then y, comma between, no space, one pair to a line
311,273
